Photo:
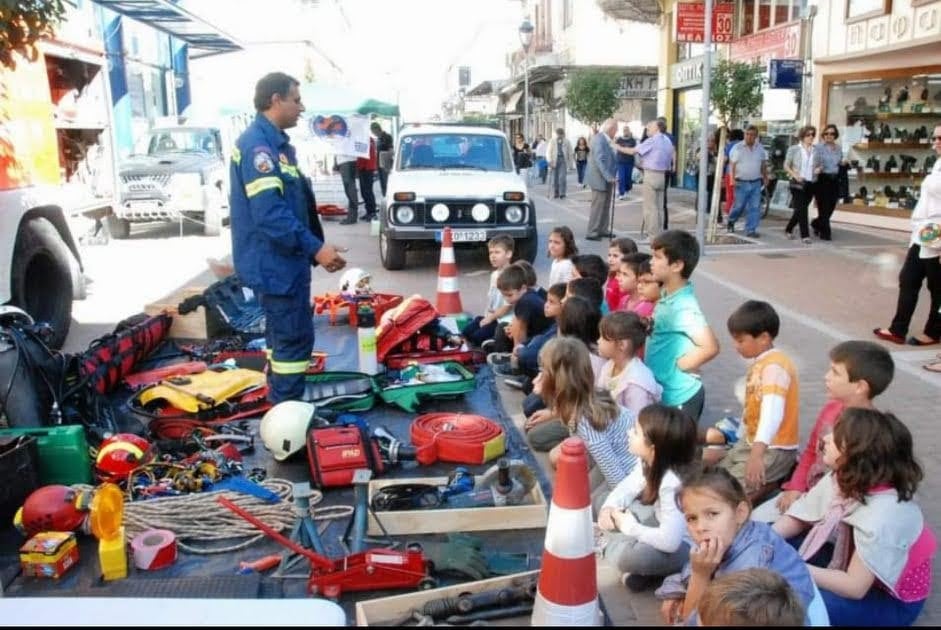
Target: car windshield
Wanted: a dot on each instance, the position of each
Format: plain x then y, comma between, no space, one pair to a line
166,141
454,151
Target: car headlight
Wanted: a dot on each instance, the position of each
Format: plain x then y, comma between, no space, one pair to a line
404,214
480,212
514,214
440,212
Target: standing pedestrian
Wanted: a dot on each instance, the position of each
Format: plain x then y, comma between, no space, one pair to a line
749,171
366,171
600,176
541,150
276,233
657,153
670,175
830,155
385,148
802,165
625,162
560,161
522,157
922,263
581,159
346,166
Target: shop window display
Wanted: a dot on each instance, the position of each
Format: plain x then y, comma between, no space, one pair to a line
885,129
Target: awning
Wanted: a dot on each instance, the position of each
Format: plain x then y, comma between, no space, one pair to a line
325,99
203,38
511,102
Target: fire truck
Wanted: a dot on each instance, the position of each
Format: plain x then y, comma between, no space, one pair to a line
56,162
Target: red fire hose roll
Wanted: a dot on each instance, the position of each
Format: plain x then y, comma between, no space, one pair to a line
456,437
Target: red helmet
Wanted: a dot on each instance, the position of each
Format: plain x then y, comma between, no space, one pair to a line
120,455
52,508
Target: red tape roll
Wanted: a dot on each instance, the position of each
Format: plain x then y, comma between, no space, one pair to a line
457,438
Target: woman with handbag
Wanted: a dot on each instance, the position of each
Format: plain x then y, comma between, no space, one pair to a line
802,165
826,188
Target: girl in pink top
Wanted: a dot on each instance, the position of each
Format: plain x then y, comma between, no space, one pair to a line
867,543
628,274
624,375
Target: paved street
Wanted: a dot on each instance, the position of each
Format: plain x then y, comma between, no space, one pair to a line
825,293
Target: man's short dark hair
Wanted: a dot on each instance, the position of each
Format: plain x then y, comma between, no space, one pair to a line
754,317
271,84
751,128
375,126
865,361
662,124
678,245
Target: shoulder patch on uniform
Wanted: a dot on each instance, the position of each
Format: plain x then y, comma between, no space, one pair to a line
262,161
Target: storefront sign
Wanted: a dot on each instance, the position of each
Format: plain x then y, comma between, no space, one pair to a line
686,73
775,43
691,20
785,74
638,86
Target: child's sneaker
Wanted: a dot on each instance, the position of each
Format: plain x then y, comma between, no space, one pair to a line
488,345
729,427
495,359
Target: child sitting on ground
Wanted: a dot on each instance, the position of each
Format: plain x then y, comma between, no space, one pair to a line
753,597
532,280
859,371
724,541
579,320
561,250
617,249
869,548
499,312
767,449
566,379
528,311
681,341
628,275
588,289
624,375
646,539
526,356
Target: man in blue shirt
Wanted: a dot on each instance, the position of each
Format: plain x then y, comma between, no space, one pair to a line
276,233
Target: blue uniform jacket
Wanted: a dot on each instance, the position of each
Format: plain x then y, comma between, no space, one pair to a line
275,227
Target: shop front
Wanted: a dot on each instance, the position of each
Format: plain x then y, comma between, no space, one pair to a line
686,81
881,85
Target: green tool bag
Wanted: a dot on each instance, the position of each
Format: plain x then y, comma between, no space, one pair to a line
408,387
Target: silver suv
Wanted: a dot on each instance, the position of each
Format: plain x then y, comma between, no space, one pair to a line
457,176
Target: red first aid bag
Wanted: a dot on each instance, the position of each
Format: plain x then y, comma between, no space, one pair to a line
335,453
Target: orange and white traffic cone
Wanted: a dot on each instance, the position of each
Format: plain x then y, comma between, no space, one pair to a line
568,584
449,298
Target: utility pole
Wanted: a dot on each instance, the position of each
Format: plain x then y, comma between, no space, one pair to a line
704,123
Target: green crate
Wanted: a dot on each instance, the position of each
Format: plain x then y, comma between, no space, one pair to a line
63,453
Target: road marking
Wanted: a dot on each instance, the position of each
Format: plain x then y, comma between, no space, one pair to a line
902,359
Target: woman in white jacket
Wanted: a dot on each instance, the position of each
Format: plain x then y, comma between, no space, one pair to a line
802,165
645,525
921,264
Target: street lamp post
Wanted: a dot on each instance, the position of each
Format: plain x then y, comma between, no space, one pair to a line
526,38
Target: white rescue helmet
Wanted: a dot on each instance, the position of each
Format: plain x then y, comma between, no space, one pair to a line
355,283
284,428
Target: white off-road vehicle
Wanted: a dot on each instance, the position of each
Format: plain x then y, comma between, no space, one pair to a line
458,176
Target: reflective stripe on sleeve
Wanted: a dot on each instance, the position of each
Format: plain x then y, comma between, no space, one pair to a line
262,184
288,367
287,169
236,155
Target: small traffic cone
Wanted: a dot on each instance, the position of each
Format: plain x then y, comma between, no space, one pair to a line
568,584
449,298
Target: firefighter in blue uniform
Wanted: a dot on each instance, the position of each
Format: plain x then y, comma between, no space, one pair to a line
276,233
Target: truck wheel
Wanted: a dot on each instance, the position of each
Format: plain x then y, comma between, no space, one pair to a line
527,248
42,277
118,227
391,252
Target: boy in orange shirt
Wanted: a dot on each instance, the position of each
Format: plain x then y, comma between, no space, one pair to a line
767,447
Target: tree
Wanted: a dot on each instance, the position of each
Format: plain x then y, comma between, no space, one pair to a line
735,92
591,95
23,23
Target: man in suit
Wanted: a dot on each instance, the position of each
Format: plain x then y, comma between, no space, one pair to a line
600,177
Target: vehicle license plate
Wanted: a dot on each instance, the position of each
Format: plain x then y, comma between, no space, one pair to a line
468,236
144,207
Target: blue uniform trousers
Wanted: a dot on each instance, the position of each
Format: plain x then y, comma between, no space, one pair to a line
289,335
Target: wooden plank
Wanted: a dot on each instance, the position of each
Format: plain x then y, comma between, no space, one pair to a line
189,326
532,515
387,609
